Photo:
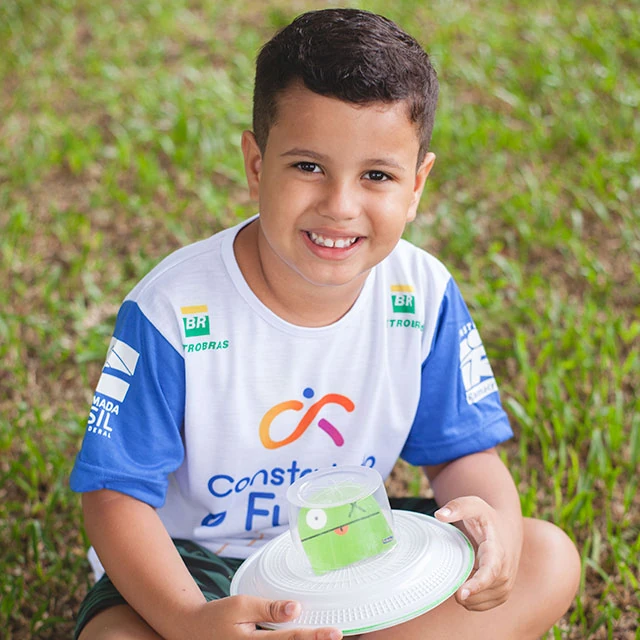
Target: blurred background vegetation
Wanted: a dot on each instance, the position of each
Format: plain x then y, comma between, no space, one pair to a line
119,142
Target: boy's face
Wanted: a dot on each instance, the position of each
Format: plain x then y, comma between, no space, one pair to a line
336,185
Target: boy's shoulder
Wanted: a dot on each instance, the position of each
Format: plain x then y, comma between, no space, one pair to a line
190,264
177,291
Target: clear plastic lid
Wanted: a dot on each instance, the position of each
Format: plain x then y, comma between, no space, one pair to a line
340,516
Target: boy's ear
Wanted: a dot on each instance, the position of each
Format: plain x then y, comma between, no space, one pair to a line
252,162
421,178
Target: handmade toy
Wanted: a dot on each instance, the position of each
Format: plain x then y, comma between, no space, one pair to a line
336,537
351,561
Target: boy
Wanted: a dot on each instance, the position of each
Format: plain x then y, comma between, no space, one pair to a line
308,336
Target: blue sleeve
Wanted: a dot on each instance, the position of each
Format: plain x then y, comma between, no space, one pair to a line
459,411
133,438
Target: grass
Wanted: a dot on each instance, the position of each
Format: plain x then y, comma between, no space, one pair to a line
119,142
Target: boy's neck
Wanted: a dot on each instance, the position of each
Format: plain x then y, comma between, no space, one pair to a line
291,298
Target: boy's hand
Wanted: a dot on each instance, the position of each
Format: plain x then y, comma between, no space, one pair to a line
237,617
496,560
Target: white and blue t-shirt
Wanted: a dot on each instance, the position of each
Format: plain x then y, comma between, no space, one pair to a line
209,405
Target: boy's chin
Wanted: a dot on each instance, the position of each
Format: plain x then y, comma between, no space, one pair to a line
338,280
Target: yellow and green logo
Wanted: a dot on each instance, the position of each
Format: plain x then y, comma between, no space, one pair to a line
196,320
402,298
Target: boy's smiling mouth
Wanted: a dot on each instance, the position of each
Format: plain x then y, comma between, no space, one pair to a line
331,243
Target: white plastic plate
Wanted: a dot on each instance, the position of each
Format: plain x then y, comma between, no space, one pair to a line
427,566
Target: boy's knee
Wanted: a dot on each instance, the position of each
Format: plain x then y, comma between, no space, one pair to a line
552,551
118,623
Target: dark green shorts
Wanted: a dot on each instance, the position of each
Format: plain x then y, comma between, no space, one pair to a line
212,574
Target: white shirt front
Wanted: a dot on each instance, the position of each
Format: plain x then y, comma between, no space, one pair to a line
209,405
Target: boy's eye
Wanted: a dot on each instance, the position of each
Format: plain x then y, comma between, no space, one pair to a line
377,176
308,167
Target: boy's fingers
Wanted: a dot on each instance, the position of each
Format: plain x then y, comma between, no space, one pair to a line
253,609
461,509
487,588
488,573
483,599
489,585
486,581
278,611
263,610
480,602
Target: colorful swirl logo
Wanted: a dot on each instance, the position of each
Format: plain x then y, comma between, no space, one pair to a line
306,420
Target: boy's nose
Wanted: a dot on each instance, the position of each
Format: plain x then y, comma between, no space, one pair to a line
340,202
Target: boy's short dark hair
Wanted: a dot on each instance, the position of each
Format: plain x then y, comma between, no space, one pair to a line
349,54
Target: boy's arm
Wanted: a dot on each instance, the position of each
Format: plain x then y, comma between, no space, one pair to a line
478,490
143,563
141,560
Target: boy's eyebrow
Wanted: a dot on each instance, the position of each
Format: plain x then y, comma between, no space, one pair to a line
296,151
314,155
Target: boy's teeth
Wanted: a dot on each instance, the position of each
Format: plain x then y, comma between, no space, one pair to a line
340,243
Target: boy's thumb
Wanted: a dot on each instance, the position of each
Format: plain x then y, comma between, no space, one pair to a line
281,610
